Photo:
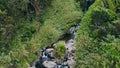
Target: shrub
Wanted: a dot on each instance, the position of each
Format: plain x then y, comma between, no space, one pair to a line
60,48
96,39
62,16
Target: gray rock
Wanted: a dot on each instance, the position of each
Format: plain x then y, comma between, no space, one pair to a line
49,64
33,67
70,45
71,62
51,52
72,30
44,57
62,66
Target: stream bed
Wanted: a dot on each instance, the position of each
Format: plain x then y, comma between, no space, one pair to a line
49,57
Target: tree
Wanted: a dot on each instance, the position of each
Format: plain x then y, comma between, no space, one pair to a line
35,4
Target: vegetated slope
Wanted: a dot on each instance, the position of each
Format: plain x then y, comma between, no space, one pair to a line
62,13
23,37
98,38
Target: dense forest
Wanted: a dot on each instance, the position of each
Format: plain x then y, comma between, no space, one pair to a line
26,26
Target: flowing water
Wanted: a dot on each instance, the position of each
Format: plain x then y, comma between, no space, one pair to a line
49,57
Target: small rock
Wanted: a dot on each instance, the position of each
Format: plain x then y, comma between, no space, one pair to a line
71,62
71,41
62,66
54,44
33,67
49,50
72,29
49,64
70,45
51,53
44,57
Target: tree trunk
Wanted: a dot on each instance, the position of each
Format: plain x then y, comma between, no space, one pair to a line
36,7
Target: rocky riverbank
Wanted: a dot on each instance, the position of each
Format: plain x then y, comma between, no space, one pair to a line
50,58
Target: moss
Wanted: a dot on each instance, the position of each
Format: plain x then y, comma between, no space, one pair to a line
60,48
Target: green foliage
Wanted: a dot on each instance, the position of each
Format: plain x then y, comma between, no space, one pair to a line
2,12
111,48
91,53
97,20
46,35
82,4
62,16
60,48
18,6
21,34
98,37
